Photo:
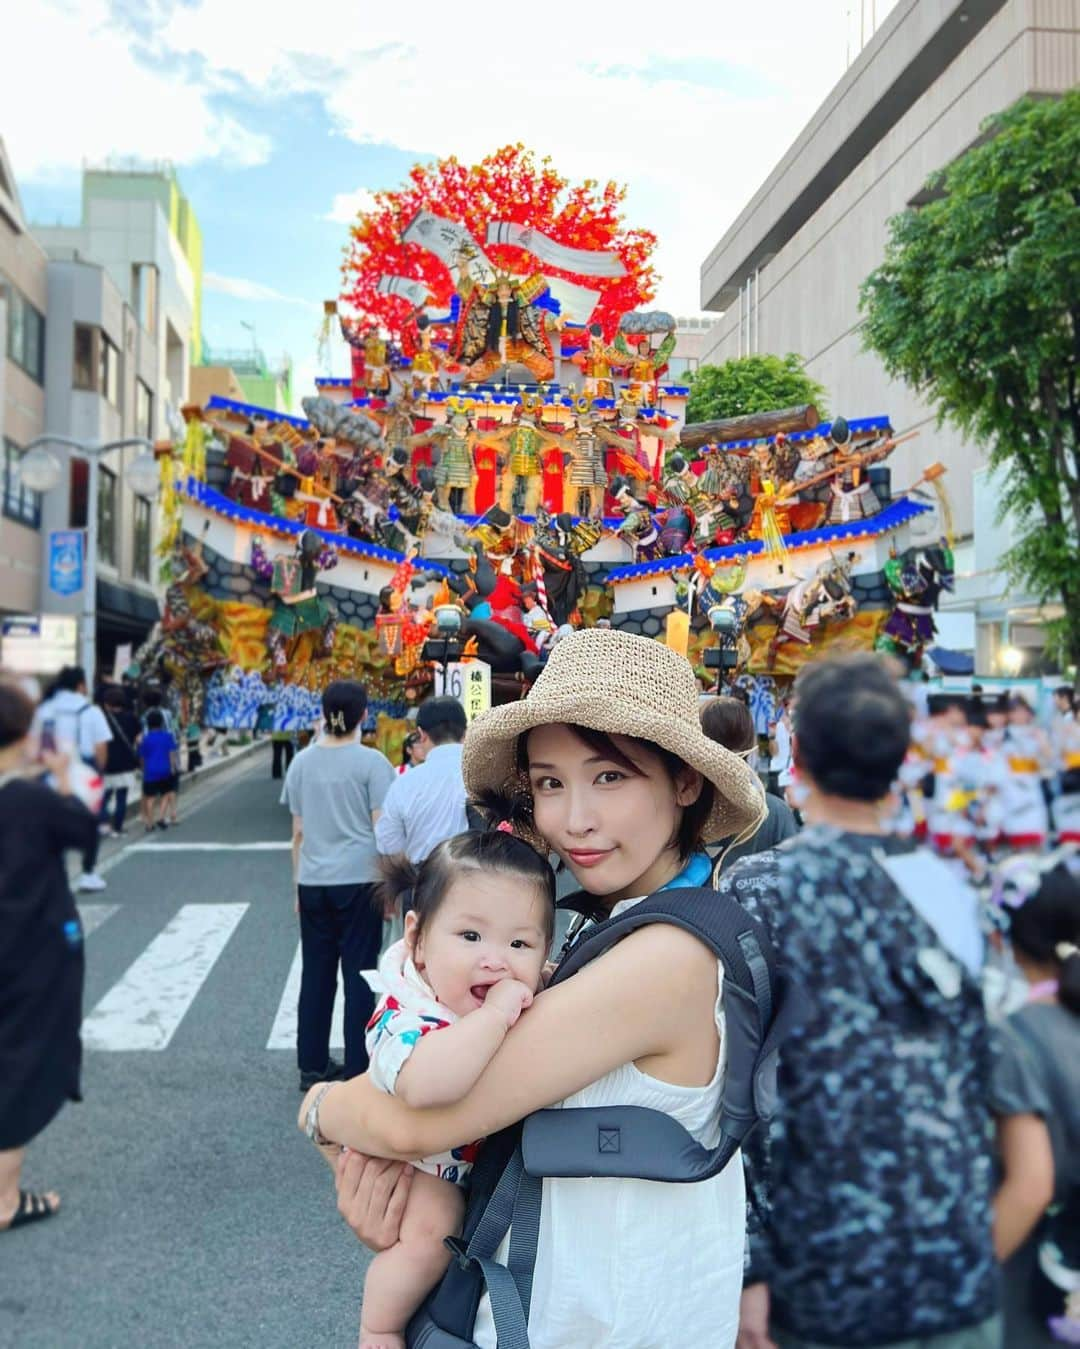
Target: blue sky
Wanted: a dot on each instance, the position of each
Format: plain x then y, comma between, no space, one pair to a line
276,116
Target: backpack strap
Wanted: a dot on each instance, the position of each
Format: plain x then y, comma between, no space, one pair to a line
760,1009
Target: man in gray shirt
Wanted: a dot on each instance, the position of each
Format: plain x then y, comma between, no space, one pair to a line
335,790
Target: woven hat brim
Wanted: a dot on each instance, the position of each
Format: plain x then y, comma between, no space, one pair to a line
489,760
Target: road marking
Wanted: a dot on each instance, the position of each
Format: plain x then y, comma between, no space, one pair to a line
143,1009
283,1034
276,846
93,915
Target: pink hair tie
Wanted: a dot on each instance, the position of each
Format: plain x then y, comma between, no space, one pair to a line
505,827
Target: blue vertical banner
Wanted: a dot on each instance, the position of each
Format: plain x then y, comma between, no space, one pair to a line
66,548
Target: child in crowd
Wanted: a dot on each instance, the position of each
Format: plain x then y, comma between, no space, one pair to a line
1036,1098
158,751
479,920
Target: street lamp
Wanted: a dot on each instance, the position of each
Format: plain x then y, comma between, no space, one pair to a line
41,471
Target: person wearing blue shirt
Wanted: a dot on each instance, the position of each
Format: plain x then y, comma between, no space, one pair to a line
157,750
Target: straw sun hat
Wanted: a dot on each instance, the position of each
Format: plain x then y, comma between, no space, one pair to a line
622,685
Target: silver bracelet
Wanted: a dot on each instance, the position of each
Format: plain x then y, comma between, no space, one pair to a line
311,1126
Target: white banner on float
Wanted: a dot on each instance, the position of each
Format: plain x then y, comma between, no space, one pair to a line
446,239
583,261
576,303
413,291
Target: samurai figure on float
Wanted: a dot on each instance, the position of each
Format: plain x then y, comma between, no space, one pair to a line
586,474
917,579
455,439
500,326
298,607
524,440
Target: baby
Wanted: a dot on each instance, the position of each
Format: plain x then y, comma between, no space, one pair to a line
479,920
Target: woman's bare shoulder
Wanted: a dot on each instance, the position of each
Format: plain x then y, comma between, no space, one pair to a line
662,958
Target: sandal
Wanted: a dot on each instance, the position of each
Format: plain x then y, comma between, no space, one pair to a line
32,1209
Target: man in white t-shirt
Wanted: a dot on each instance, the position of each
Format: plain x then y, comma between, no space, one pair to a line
80,730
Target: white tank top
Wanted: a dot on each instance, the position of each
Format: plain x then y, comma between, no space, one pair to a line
640,1264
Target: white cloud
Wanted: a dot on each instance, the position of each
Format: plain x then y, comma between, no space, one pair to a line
241,289
588,94
73,93
692,109
348,205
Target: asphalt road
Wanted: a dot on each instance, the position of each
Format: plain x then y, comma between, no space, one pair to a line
194,1213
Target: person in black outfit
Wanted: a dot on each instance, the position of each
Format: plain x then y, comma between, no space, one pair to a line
41,954
122,758
283,746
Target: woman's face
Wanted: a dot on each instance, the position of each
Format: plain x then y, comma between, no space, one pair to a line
614,829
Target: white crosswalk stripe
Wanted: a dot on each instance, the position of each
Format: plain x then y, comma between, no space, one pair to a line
144,1008
283,1034
93,915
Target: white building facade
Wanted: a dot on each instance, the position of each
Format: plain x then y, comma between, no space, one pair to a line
787,273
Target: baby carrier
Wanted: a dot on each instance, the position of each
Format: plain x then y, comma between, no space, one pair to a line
760,1008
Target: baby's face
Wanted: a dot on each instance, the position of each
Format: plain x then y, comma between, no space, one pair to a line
491,926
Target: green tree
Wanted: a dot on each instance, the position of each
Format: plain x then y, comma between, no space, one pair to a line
751,384
977,306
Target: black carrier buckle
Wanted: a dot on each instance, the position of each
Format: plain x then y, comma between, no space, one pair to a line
459,1250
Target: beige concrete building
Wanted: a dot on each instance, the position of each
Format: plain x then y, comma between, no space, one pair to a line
787,273
214,381
23,301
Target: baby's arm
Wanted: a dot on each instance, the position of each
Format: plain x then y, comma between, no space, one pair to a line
445,1064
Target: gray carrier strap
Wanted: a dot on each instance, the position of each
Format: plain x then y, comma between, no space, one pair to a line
516,1201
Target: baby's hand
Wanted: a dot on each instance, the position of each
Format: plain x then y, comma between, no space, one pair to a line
511,997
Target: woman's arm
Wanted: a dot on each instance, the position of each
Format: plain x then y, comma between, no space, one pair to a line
650,995
1028,1183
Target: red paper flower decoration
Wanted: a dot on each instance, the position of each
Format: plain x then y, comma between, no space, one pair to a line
507,185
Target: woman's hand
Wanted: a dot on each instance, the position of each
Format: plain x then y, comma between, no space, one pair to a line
371,1196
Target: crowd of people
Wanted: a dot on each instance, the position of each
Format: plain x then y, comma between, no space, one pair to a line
918,1182
907,882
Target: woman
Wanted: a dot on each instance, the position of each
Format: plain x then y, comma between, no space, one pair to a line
122,757
729,722
1036,1097
335,790
607,749
412,753
41,954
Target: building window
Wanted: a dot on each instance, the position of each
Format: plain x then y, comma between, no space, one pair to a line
26,335
141,560
681,366
84,363
144,411
19,502
79,494
144,291
106,516
109,371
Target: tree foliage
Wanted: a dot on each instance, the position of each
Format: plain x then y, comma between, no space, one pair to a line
510,184
977,306
751,384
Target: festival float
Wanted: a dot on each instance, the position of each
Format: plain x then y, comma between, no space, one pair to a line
507,460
